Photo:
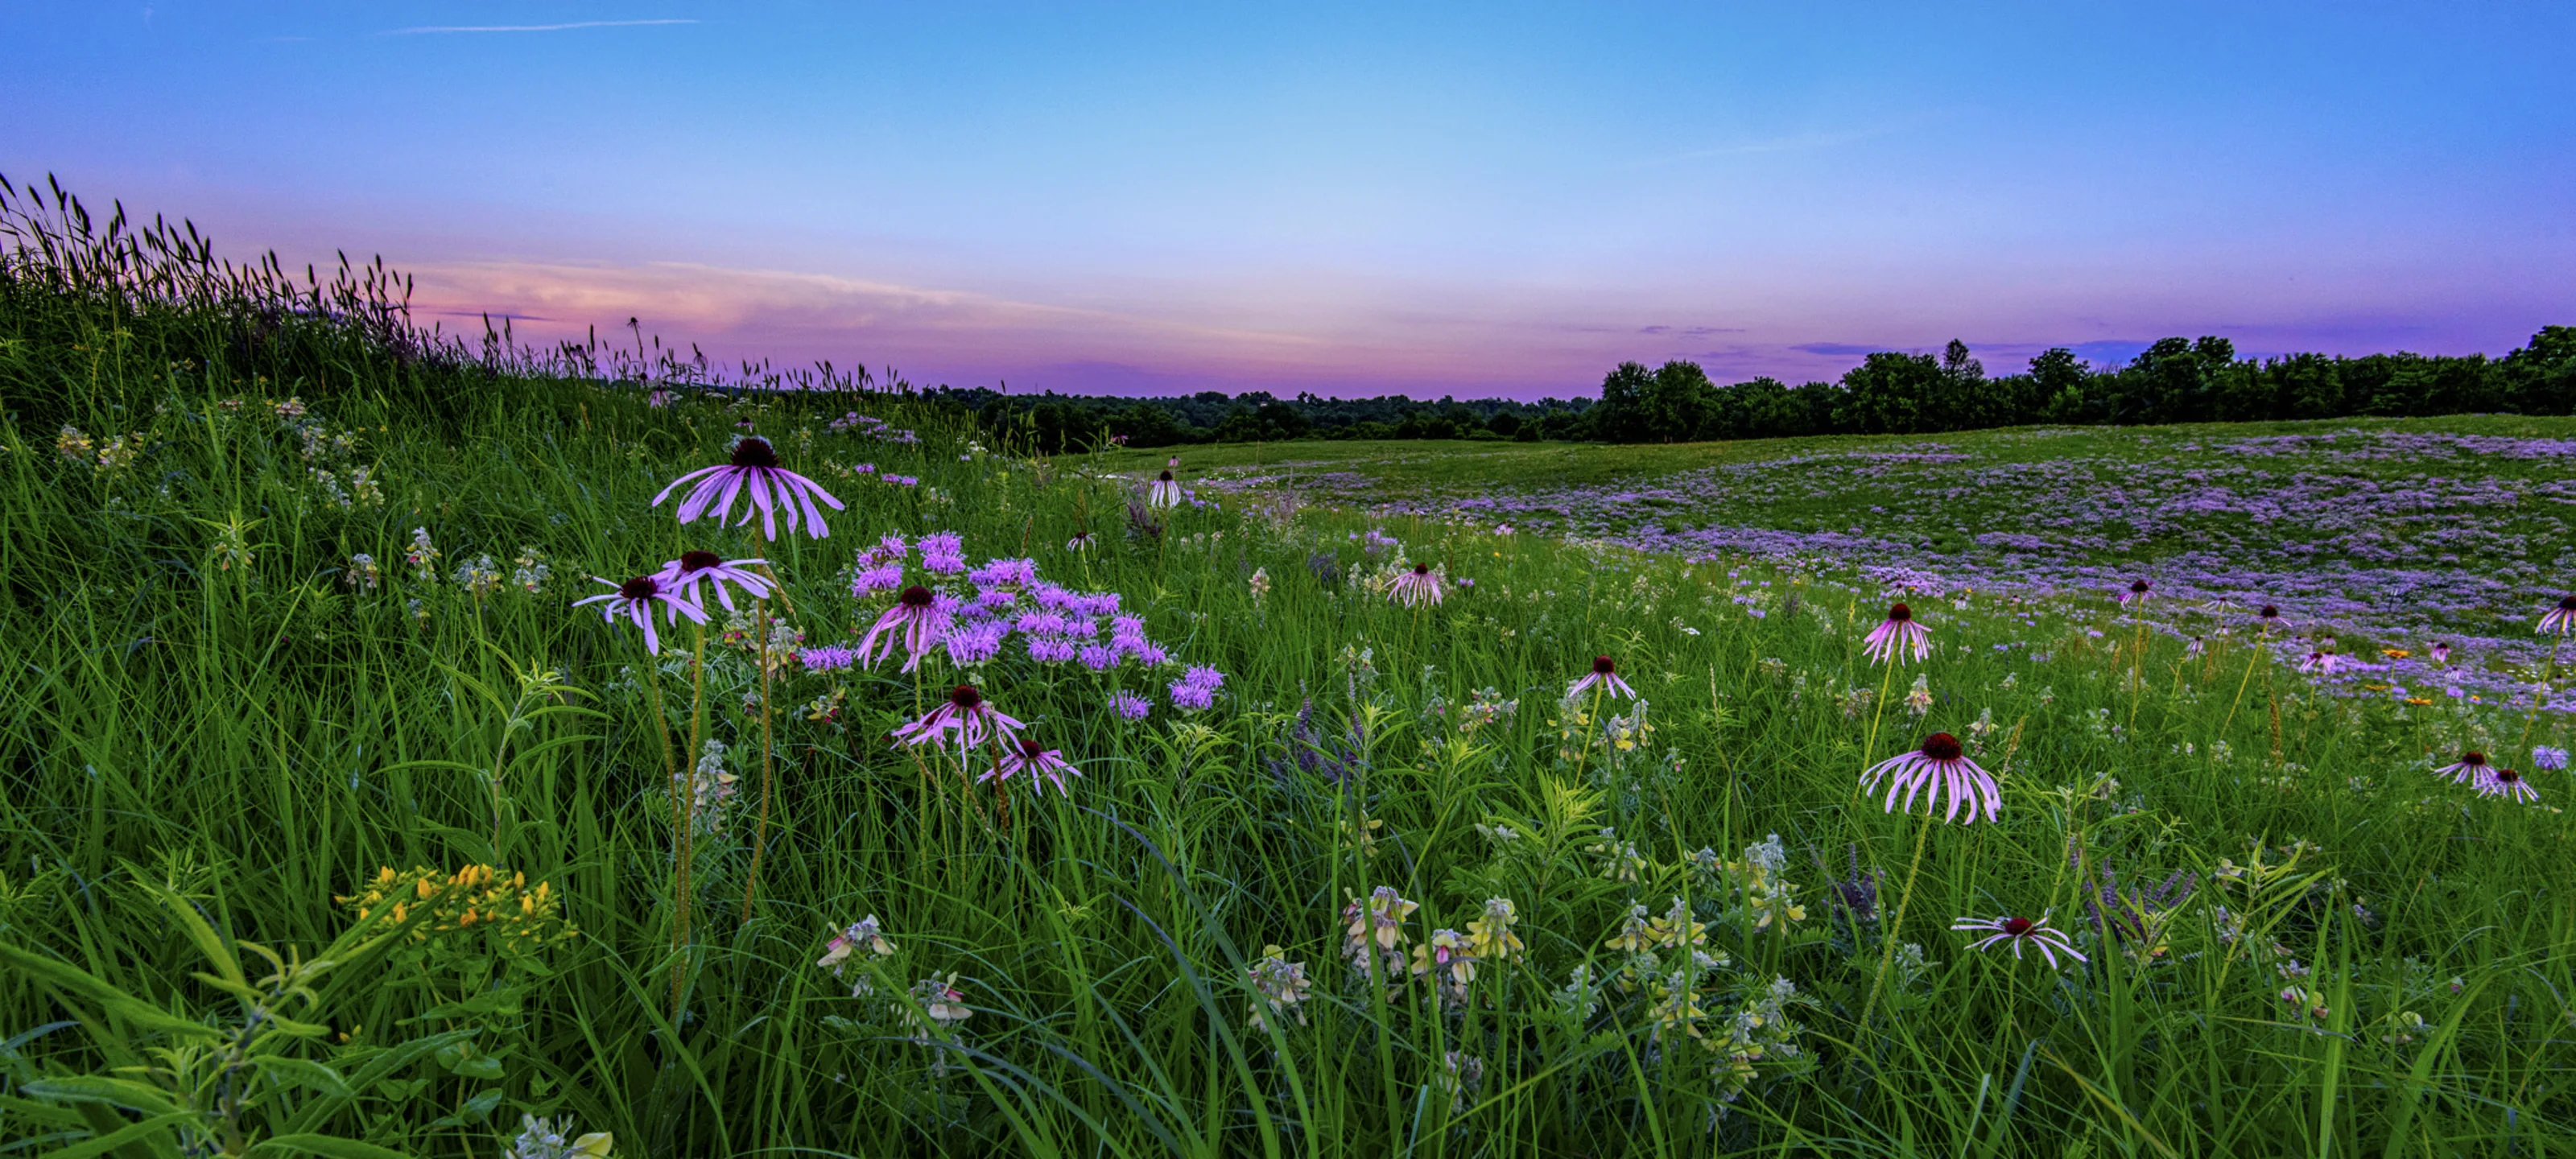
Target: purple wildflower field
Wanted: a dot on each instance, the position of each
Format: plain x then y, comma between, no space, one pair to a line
2381,539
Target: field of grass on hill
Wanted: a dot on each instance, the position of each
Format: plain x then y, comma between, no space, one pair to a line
333,827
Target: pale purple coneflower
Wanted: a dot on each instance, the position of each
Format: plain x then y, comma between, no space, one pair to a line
683,575
1130,706
657,399
753,466
2441,652
2467,770
1415,587
2268,618
634,600
1605,674
2507,783
2020,931
1025,757
2561,619
2137,593
2196,648
1941,766
1081,541
965,713
1898,633
2323,662
916,618
1164,491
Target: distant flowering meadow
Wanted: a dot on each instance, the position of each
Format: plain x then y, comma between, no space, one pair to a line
2406,539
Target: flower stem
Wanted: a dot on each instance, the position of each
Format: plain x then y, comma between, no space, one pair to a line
751,885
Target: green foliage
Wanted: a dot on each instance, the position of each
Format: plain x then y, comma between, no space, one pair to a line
238,695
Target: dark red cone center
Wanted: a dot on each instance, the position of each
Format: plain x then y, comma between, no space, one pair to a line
754,452
699,560
915,596
1941,746
2473,758
641,587
1601,666
2018,927
966,697
1899,613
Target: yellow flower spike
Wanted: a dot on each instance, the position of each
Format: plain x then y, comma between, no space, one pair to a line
519,880
401,912
385,876
527,905
426,889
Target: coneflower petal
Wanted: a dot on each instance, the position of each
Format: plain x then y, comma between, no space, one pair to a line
675,485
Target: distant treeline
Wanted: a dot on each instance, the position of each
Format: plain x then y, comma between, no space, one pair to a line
2176,380
1059,422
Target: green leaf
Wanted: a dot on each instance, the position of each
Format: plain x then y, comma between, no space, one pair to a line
126,1093
306,1073
475,1110
331,1146
125,1138
142,1014
209,943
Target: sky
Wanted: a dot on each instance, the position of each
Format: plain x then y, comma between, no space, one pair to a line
1431,200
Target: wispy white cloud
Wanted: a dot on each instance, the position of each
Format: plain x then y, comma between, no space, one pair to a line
531,27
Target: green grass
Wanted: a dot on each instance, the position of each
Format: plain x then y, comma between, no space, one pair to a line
200,757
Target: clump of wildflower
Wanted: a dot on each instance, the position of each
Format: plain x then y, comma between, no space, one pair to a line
513,917
478,576
1259,583
936,1003
709,788
529,571
74,446
362,572
2548,759
1375,924
1490,937
1130,706
231,547
864,933
1619,859
1628,733
1486,706
1768,895
1918,699
539,1139
1196,690
422,556
1460,1074
1279,987
1449,961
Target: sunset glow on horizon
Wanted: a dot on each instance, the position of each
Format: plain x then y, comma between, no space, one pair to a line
1467,202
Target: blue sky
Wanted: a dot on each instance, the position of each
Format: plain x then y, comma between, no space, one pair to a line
1487,200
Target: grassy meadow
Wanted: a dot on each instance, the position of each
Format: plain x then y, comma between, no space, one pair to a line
332,827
